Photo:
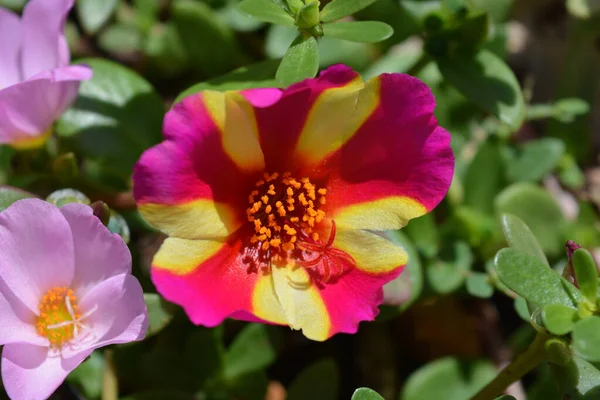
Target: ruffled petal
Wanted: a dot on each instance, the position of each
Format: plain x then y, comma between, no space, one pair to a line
44,43
282,124
28,109
10,44
195,184
397,166
99,254
208,278
37,250
28,372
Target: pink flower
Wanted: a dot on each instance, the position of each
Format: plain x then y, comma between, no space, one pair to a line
36,82
65,289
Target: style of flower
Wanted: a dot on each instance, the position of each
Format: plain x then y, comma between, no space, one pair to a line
37,84
65,289
269,198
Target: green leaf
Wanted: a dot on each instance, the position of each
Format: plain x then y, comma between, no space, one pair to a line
448,379
118,225
308,16
537,159
319,381
300,61
583,8
210,44
559,319
484,178
6,155
487,81
425,234
88,375
539,210
158,316
93,13
533,280
251,351
586,273
121,38
505,397
342,8
9,195
519,237
478,285
267,11
566,110
448,273
259,75
359,31
116,117
401,292
586,340
522,310
366,394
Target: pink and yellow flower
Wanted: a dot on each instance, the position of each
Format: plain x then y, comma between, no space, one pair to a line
269,198
65,289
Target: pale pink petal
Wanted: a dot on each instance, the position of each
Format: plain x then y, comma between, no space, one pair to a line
120,314
37,250
99,254
29,374
28,109
43,35
10,42
17,320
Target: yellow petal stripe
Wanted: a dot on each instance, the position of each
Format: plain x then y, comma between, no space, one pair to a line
265,304
194,220
182,256
235,118
380,215
336,115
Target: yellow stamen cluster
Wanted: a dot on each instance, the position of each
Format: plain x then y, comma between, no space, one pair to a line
53,311
282,208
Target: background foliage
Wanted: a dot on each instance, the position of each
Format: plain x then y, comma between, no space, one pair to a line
516,85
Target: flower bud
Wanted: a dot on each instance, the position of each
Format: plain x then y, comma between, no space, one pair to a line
308,16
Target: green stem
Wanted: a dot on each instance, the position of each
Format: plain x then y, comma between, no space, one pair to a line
514,371
419,65
110,384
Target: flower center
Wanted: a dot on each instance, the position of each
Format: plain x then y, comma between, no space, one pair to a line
285,210
60,318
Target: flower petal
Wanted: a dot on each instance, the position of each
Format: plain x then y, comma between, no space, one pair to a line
10,44
17,320
301,302
211,141
28,109
208,278
281,125
28,372
121,315
37,250
44,43
399,163
99,254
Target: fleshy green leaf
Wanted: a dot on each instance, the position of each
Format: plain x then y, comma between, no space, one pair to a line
538,210
158,316
251,351
65,196
519,237
116,117
342,8
88,376
537,159
522,310
448,379
487,81
478,285
267,11
120,38
559,319
449,272
9,195
118,225
93,13
425,234
300,61
366,394
484,178
586,273
319,381
359,31
586,340
505,397
533,280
